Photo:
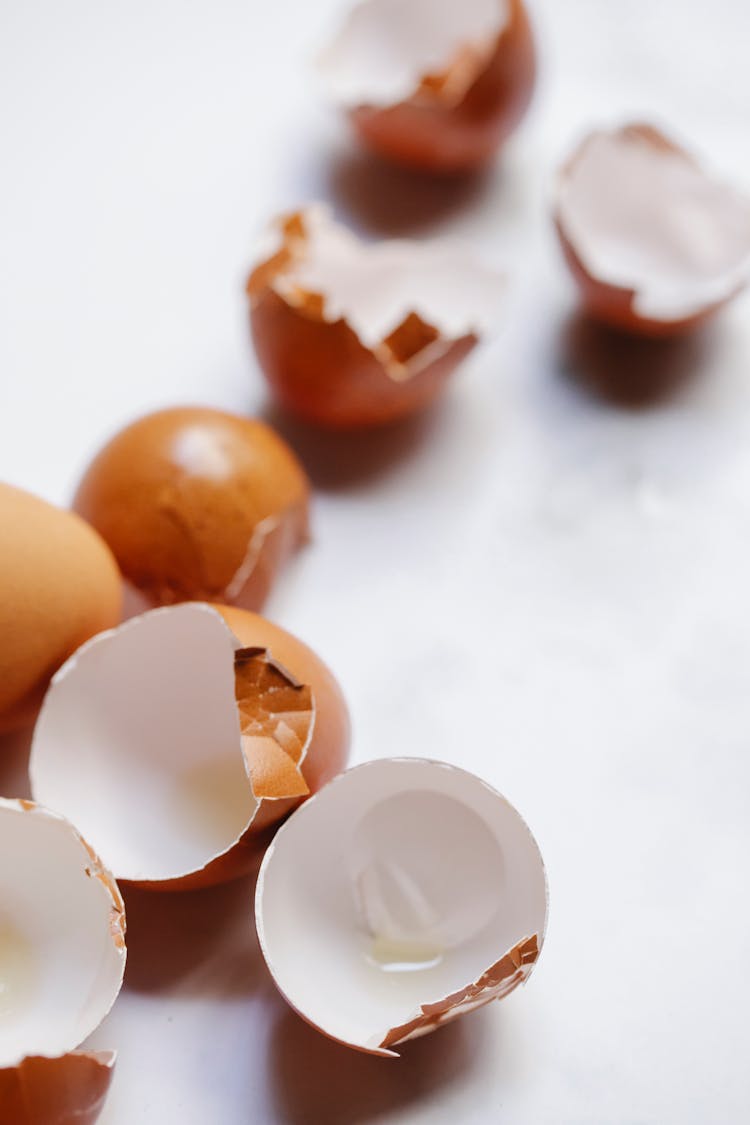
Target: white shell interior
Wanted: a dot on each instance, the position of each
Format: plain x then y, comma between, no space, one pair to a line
60,965
138,742
386,47
375,286
400,883
647,219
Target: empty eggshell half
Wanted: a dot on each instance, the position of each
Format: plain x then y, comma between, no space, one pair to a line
175,739
655,244
438,86
352,334
62,958
197,504
404,894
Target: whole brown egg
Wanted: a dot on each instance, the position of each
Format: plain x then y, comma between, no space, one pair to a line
59,585
197,504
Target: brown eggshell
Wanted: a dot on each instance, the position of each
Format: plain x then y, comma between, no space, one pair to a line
428,133
70,1090
177,740
613,305
59,585
323,373
197,504
329,747
353,334
327,751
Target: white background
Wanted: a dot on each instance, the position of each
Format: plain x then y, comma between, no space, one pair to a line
539,582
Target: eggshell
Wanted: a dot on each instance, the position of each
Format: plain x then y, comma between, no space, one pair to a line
434,87
404,894
352,335
197,504
70,1090
655,245
328,750
62,958
59,584
180,738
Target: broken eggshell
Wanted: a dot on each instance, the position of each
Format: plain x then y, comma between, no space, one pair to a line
655,244
62,959
197,504
177,738
59,584
435,86
404,894
70,1090
350,334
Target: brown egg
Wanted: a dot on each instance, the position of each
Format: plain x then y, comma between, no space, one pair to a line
58,586
655,244
451,119
197,504
179,740
351,335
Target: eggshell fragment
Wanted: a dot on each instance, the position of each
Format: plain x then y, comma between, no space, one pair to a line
70,1090
655,244
433,86
404,894
197,504
59,584
62,959
176,739
352,335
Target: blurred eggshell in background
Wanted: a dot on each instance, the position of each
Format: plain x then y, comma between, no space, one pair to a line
655,244
59,585
176,739
436,86
197,504
406,893
351,334
62,958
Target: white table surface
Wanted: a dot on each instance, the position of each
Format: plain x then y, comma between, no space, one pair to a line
544,584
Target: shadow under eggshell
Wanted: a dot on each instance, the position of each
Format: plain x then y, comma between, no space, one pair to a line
628,370
316,1080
